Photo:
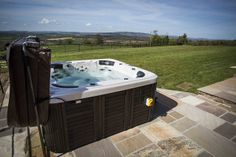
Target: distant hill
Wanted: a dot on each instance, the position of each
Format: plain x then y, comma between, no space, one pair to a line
121,35
49,34
138,34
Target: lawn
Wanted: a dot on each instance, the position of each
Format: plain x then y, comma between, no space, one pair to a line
80,48
178,67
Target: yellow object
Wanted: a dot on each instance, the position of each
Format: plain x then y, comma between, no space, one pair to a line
149,102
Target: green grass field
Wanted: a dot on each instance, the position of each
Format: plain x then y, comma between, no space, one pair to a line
195,66
81,48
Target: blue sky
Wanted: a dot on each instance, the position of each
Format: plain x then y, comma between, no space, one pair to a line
214,19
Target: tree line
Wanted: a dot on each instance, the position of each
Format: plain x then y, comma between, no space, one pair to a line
157,40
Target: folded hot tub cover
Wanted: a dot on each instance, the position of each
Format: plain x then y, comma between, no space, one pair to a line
21,108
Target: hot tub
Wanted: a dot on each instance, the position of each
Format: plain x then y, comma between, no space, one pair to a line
94,99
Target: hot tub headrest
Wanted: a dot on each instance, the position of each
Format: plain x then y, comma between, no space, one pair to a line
140,74
57,65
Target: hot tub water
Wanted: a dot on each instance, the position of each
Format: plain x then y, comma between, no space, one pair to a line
85,77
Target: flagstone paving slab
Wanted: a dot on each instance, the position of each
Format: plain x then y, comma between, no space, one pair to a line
229,117
132,144
192,100
102,148
217,111
225,89
3,123
167,91
3,113
179,146
227,96
214,143
204,118
167,119
5,149
176,114
6,132
148,123
19,142
181,95
125,134
227,130
6,98
149,151
209,90
183,124
159,131
208,99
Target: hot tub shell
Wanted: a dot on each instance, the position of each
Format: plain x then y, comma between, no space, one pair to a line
92,113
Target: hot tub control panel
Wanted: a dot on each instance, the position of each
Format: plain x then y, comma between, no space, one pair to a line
106,62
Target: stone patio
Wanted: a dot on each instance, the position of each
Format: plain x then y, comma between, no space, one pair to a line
185,125
198,128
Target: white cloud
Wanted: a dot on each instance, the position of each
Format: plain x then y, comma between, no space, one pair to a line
88,24
46,21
